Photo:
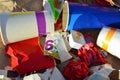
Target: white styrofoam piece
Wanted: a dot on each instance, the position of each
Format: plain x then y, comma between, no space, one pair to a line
76,39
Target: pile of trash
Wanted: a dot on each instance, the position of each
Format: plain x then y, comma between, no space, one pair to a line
52,44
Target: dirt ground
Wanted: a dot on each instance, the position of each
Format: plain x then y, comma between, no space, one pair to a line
6,5
20,5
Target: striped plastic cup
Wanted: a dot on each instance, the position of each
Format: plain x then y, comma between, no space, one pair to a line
109,40
24,25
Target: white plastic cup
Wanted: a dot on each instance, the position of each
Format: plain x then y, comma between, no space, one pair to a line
17,26
109,40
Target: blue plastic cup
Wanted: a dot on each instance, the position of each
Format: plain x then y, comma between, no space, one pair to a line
82,16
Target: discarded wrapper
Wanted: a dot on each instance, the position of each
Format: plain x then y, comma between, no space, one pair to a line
56,47
25,52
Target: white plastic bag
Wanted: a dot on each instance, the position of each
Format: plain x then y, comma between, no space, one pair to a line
101,72
52,74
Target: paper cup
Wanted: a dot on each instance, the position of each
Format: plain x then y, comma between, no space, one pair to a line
24,25
109,40
81,16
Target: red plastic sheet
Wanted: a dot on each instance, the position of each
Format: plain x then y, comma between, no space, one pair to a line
75,70
27,56
91,55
